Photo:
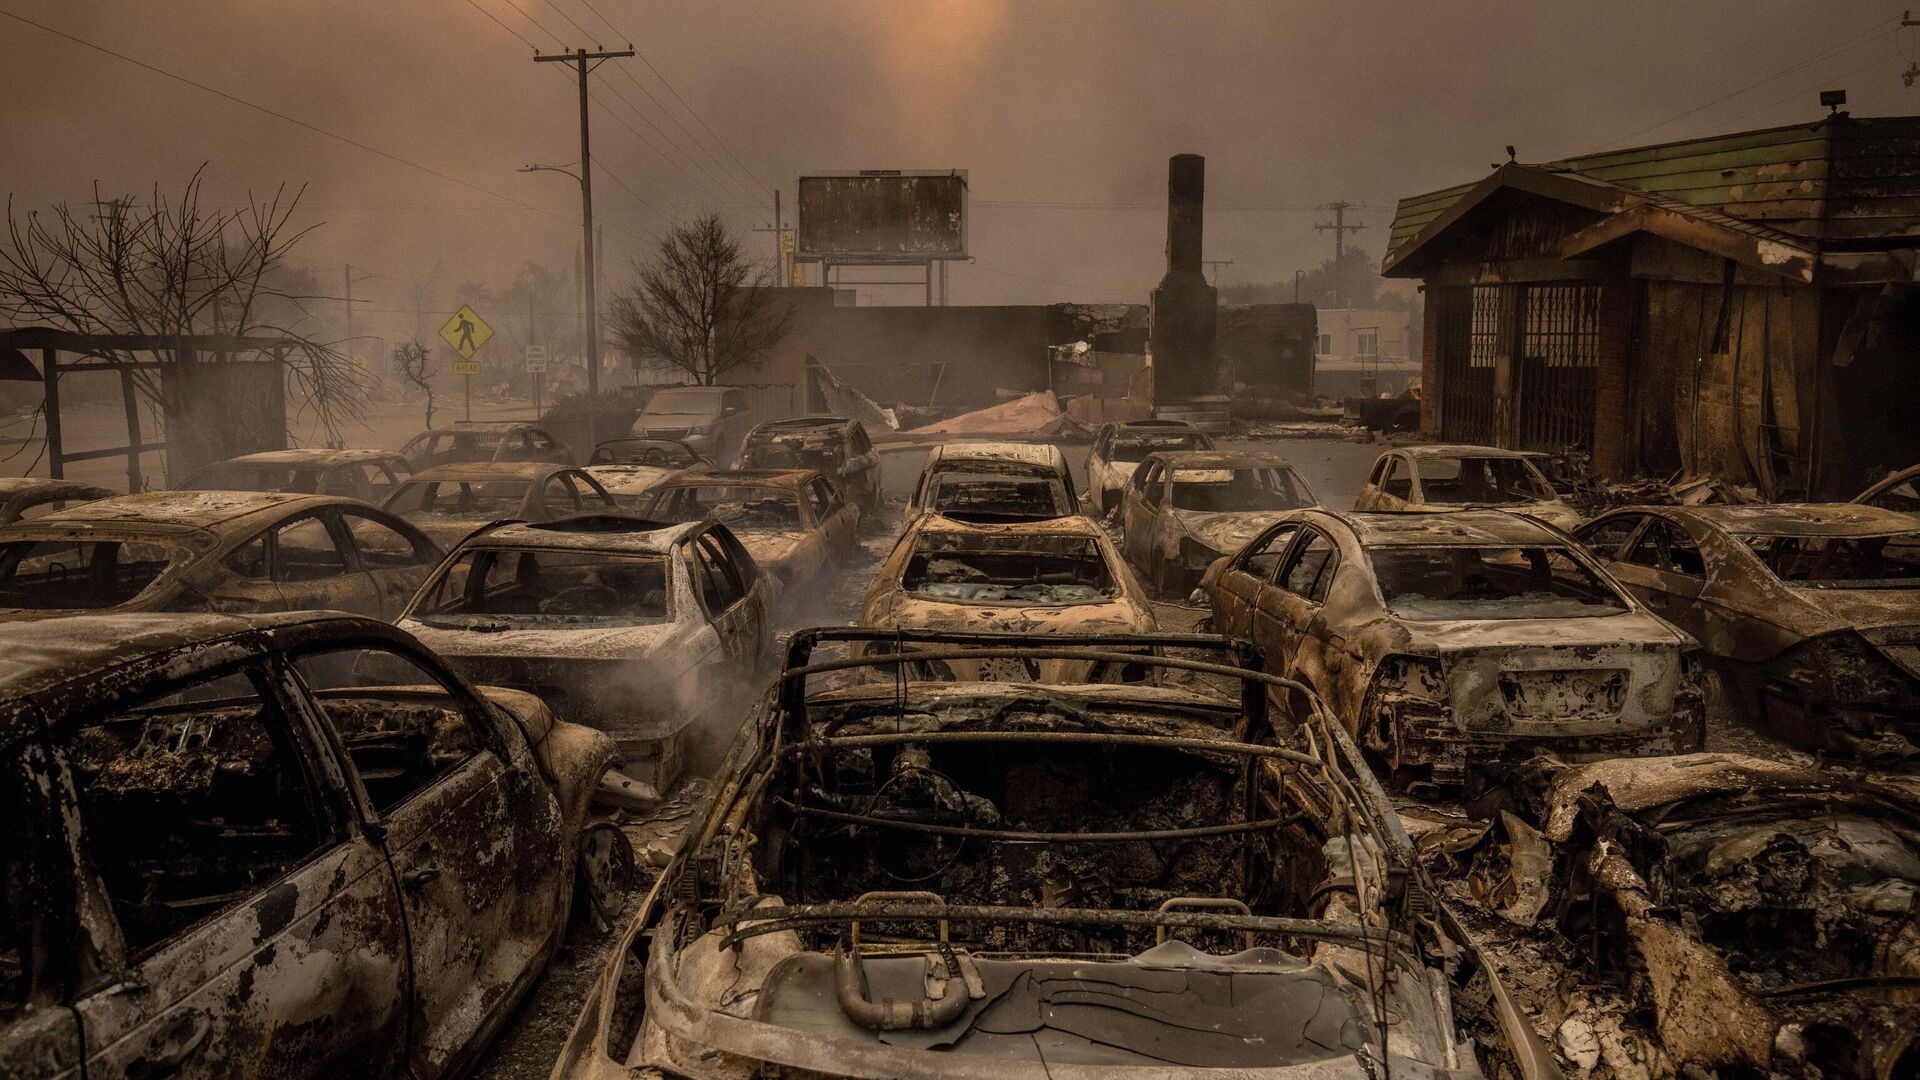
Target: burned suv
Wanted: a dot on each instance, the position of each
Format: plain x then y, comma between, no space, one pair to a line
833,446
1020,880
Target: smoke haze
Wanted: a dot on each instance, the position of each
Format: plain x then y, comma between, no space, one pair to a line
1063,112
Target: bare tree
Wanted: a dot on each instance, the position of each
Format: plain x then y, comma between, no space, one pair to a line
413,362
172,267
700,306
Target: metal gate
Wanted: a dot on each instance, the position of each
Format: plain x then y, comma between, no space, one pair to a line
1559,358
1467,339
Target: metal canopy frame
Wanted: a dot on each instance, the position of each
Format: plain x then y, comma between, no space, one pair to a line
106,352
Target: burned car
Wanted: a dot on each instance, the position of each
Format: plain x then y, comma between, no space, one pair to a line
1184,509
1448,477
32,496
1024,880
289,845
1897,491
634,627
229,551
1444,638
484,440
655,453
792,521
1060,575
1761,914
833,446
1809,614
1119,448
367,475
995,481
451,501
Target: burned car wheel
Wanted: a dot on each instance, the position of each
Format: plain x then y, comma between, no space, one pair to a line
603,875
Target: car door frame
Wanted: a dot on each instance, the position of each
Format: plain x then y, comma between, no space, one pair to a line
504,765
393,585
1290,617
225,942
1136,517
364,585
1237,621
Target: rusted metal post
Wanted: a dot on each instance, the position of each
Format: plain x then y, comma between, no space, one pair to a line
50,401
130,400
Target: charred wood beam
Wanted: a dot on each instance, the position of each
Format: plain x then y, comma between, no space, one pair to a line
1024,835
768,920
1100,738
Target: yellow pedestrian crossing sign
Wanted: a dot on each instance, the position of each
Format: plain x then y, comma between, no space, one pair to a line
465,332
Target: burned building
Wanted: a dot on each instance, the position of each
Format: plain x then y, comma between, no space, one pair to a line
1741,305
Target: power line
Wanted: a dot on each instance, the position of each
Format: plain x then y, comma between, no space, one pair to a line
278,115
524,39
664,111
669,138
722,143
1847,46
1800,92
543,26
575,25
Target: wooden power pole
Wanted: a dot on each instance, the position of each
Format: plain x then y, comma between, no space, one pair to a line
581,59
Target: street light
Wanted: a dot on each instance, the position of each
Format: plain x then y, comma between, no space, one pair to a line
586,274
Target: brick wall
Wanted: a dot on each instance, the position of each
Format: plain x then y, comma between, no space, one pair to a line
1612,411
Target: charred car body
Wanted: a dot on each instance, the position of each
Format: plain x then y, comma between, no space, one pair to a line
451,501
1433,635
1898,491
1762,914
833,446
367,475
633,627
1443,477
1060,575
31,496
1183,510
1119,448
484,440
227,861
1810,614
228,551
995,481
792,521
1024,880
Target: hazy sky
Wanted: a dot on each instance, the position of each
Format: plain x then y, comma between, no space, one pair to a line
1063,112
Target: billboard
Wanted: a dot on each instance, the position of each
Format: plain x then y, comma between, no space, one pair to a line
883,215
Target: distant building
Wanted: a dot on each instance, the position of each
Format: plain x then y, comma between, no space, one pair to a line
1364,352
1742,305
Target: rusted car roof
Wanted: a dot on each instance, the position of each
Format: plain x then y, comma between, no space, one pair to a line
314,456
630,479
45,659
1043,454
491,470
1444,527
1066,525
591,532
1448,450
799,424
209,510
705,477
1801,519
1220,459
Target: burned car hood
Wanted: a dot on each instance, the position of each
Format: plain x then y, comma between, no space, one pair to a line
556,641
1230,531
771,548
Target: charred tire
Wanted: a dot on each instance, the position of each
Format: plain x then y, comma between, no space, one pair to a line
603,876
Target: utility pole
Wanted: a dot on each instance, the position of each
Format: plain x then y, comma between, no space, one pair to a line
1215,265
779,230
1340,229
580,58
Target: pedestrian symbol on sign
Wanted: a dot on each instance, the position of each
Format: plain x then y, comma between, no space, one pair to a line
466,332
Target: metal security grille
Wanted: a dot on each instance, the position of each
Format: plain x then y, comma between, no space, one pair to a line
1470,330
1559,358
